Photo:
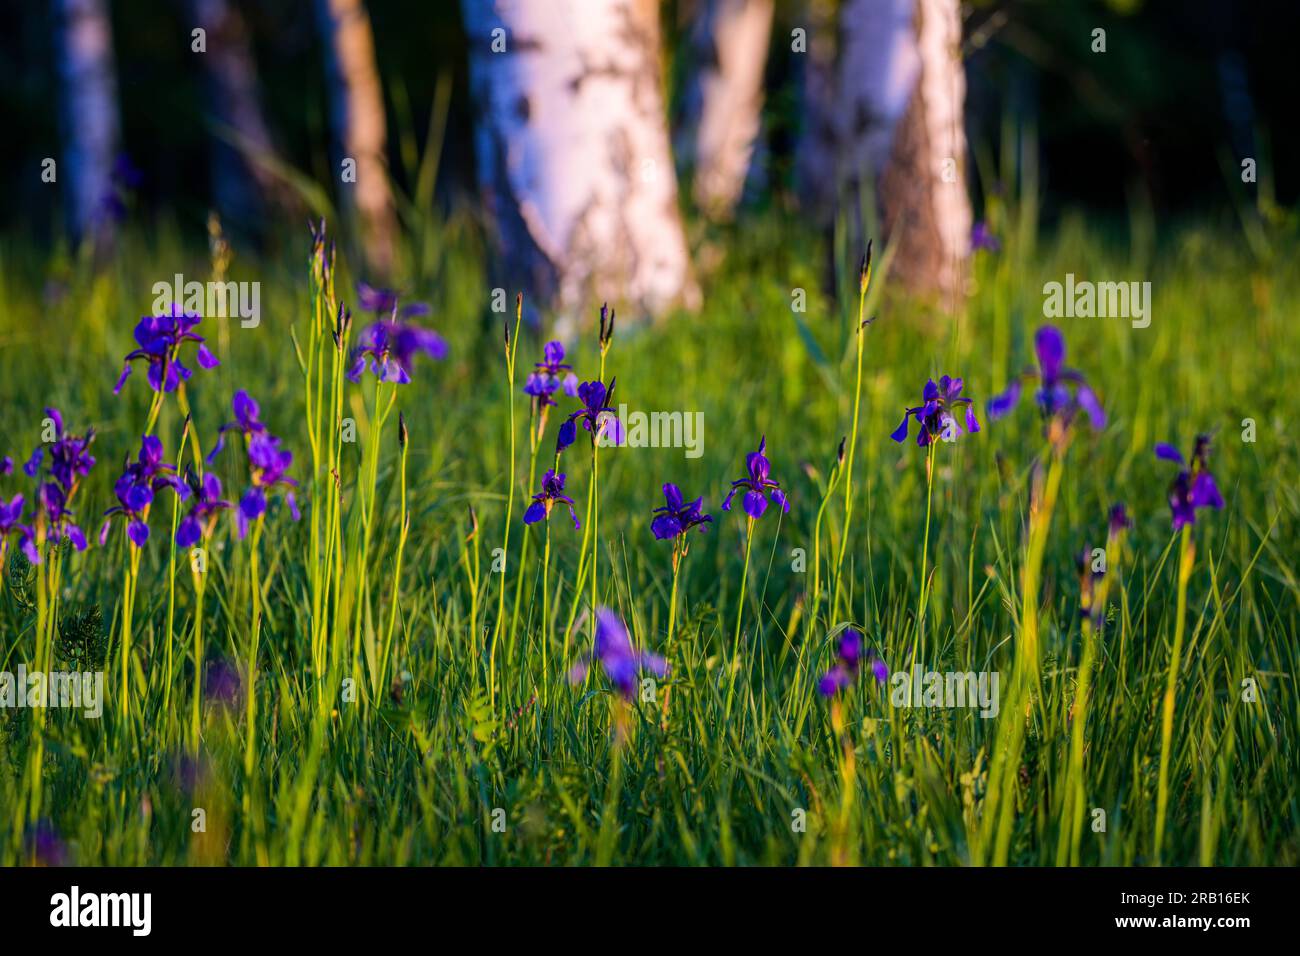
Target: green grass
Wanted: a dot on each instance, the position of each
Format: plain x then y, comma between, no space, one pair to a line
415,777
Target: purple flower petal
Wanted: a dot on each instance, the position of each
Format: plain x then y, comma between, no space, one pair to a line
755,504
1169,453
1050,346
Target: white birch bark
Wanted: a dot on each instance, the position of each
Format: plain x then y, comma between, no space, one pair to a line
573,153
724,105
360,128
240,183
901,96
90,112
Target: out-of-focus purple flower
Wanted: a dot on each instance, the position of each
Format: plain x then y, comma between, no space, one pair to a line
160,338
383,302
221,684
981,237
1061,391
135,491
1194,487
596,415
392,348
757,485
620,660
677,517
551,375
1119,519
849,656
11,523
6,465
938,412
247,422
207,505
552,491
43,844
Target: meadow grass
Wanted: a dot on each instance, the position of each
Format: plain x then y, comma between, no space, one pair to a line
457,708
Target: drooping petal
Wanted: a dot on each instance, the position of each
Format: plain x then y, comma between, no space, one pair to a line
665,527
899,434
1169,453
779,497
1000,405
536,512
726,502
292,502
205,357
1205,492
121,379
75,536
972,423
188,531
755,504
1089,403
138,532
567,435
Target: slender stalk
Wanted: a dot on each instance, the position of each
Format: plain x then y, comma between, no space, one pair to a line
512,346
740,613
546,617
1187,559
679,553
864,280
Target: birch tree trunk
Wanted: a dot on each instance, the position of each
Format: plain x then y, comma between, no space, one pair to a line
901,92
573,154
90,114
240,183
725,100
360,129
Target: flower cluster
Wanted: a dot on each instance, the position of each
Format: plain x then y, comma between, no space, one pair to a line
552,491
596,415
267,462
135,491
551,375
676,518
391,347
69,461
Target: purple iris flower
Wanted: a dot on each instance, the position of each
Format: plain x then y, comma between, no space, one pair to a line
981,237
392,349
1054,395
621,661
596,415
54,505
552,491
849,655
247,421
11,517
160,338
70,456
207,505
1119,519
1195,486
757,486
43,843
6,465
135,491
677,517
384,302
268,463
551,375
938,411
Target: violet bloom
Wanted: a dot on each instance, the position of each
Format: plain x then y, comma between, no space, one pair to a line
1194,487
621,661
135,491
207,505
384,302
552,491
1119,519
981,237
43,844
70,456
247,421
1061,391
392,349
268,463
6,465
160,338
849,655
551,375
11,517
676,518
757,486
937,413
54,506
596,416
